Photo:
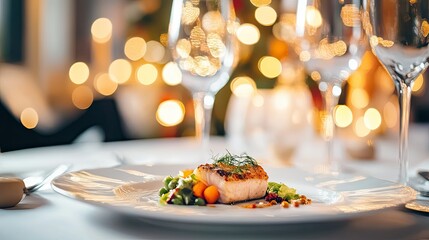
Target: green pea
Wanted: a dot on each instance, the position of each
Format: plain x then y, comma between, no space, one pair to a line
178,200
184,183
172,184
163,191
164,198
200,202
167,180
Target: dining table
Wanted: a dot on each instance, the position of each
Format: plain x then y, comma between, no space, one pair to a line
47,214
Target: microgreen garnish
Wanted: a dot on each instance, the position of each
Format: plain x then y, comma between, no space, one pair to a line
235,160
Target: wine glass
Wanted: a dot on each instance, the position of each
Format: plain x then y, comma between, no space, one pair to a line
201,36
330,40
398,34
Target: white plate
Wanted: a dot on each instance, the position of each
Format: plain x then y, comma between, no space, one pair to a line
133,190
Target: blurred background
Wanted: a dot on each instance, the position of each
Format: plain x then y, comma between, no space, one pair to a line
102,67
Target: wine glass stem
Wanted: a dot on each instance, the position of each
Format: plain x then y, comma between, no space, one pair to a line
330,100
404,114
203,105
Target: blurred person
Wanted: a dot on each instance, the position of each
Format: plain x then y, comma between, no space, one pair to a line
43,126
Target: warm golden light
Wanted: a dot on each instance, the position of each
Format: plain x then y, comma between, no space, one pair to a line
260,3
327,50
204,66
425,28
183,48
384,81
418,84
304,56
313,17
120,70
266,15
213,22
135,48
374,41
360,129
243,86
104,85
286,27
372,118
281,100
270,67
79,73
350,14
154,51
258,100
343,116
101,30
357,80
248,34
170,113
189,13
147,74
197,37
315,75
163,39
215,45
390,114
82,97
359,98
29,118
171,74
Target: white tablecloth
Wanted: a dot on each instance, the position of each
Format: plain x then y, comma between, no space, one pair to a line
49,215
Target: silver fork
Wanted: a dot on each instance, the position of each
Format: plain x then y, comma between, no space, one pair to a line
49,177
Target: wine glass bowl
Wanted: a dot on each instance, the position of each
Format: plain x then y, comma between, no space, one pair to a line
201,37
398,34
330,41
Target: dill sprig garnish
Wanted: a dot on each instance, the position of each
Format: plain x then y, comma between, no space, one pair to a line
235,160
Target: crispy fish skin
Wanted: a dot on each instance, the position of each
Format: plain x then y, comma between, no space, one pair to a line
234,183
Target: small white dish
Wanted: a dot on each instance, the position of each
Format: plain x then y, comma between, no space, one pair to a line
133,190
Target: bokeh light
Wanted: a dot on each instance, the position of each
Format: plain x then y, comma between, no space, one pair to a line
170,113
147,74
104,85
359,98
258,100
360,129
154,51
315,75
101,30
248,34
372,118
120,70
79,72
260,3
135,48
305,56
171,74
243,86
343,116
390,114
270,67
29,118
313,17
183,48
418,85
266,15
212,21
82,97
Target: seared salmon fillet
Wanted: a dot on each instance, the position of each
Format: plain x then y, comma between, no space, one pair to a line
235,180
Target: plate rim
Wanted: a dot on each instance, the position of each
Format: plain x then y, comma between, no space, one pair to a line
148,215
